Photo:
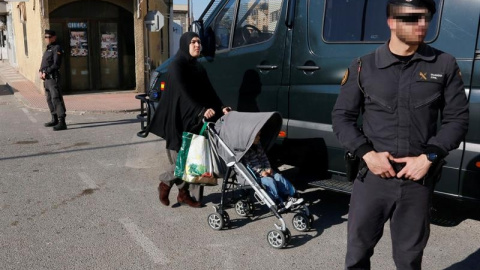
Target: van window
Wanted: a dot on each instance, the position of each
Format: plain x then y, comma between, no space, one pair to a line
363,21
256,21
223,25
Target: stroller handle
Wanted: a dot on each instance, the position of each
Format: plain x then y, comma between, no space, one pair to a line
230,159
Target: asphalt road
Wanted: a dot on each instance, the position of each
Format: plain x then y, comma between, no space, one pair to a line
86,198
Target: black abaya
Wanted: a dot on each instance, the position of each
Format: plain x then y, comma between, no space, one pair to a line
188,93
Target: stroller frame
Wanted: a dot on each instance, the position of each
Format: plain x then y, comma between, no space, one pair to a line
278,238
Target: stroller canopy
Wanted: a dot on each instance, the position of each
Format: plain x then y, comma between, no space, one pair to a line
238,130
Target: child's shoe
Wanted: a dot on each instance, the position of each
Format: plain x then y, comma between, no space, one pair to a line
293,201
282,205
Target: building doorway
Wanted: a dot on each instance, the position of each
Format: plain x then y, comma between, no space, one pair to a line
98,39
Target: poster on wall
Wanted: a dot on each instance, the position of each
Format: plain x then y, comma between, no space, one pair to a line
78,43
109,49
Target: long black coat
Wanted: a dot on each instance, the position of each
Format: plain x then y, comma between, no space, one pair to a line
188,93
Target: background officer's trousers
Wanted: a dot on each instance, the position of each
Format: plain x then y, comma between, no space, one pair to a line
54,97
374,201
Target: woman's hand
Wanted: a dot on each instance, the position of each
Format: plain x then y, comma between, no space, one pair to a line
209,113
226,110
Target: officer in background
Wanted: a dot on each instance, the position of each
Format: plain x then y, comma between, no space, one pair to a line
49,72
400,90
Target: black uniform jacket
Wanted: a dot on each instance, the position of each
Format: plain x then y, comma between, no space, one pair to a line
52,59
402,103
188,93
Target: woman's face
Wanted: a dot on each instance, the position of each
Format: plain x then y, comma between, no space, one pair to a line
195,47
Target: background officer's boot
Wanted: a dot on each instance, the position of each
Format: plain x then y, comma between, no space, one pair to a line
53,122
61,124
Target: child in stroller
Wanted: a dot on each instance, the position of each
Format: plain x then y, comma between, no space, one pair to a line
231,138
277,186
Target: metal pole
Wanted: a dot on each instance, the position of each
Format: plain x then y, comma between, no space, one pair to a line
2,45
188,14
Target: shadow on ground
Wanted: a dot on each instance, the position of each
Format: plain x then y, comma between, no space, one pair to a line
328,209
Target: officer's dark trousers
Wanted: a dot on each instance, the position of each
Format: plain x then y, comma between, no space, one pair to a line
54,97
374,201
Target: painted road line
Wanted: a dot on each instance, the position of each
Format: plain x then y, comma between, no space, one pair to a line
148,246
29,115
88,180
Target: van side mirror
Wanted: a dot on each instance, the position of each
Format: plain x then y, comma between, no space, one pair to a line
207,36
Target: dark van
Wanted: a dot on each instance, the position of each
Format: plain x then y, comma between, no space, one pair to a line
290,55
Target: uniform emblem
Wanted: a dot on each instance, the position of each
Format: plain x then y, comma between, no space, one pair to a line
59,53
423,75
345,77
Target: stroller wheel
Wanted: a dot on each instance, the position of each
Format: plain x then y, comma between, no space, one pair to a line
276,239
301,222
243,208
216,221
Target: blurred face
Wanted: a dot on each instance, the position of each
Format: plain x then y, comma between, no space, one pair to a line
50,39
409,24
195,47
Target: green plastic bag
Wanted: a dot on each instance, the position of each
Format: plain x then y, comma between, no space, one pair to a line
182,156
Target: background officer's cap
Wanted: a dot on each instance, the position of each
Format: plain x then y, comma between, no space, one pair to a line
50,32
429,4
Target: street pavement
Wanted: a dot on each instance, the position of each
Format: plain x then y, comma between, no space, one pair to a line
86,198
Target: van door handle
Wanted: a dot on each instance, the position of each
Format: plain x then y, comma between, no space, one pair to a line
267,67
308,68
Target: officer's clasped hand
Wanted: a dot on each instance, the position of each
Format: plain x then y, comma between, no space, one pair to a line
379,164
415,167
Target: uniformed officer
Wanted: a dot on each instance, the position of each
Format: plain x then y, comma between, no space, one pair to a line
49,72
400,90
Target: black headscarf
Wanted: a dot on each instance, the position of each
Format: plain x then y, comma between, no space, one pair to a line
188,93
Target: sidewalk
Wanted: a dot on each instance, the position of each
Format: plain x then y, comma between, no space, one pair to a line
30,95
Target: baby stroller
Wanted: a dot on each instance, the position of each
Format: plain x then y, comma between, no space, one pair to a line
231,137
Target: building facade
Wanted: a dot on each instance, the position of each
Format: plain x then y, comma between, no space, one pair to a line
107,46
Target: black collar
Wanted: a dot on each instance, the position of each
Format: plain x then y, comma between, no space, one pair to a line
384,58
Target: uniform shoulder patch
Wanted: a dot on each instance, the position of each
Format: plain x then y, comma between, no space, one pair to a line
345,77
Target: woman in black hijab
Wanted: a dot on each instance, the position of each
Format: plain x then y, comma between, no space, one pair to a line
188,97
